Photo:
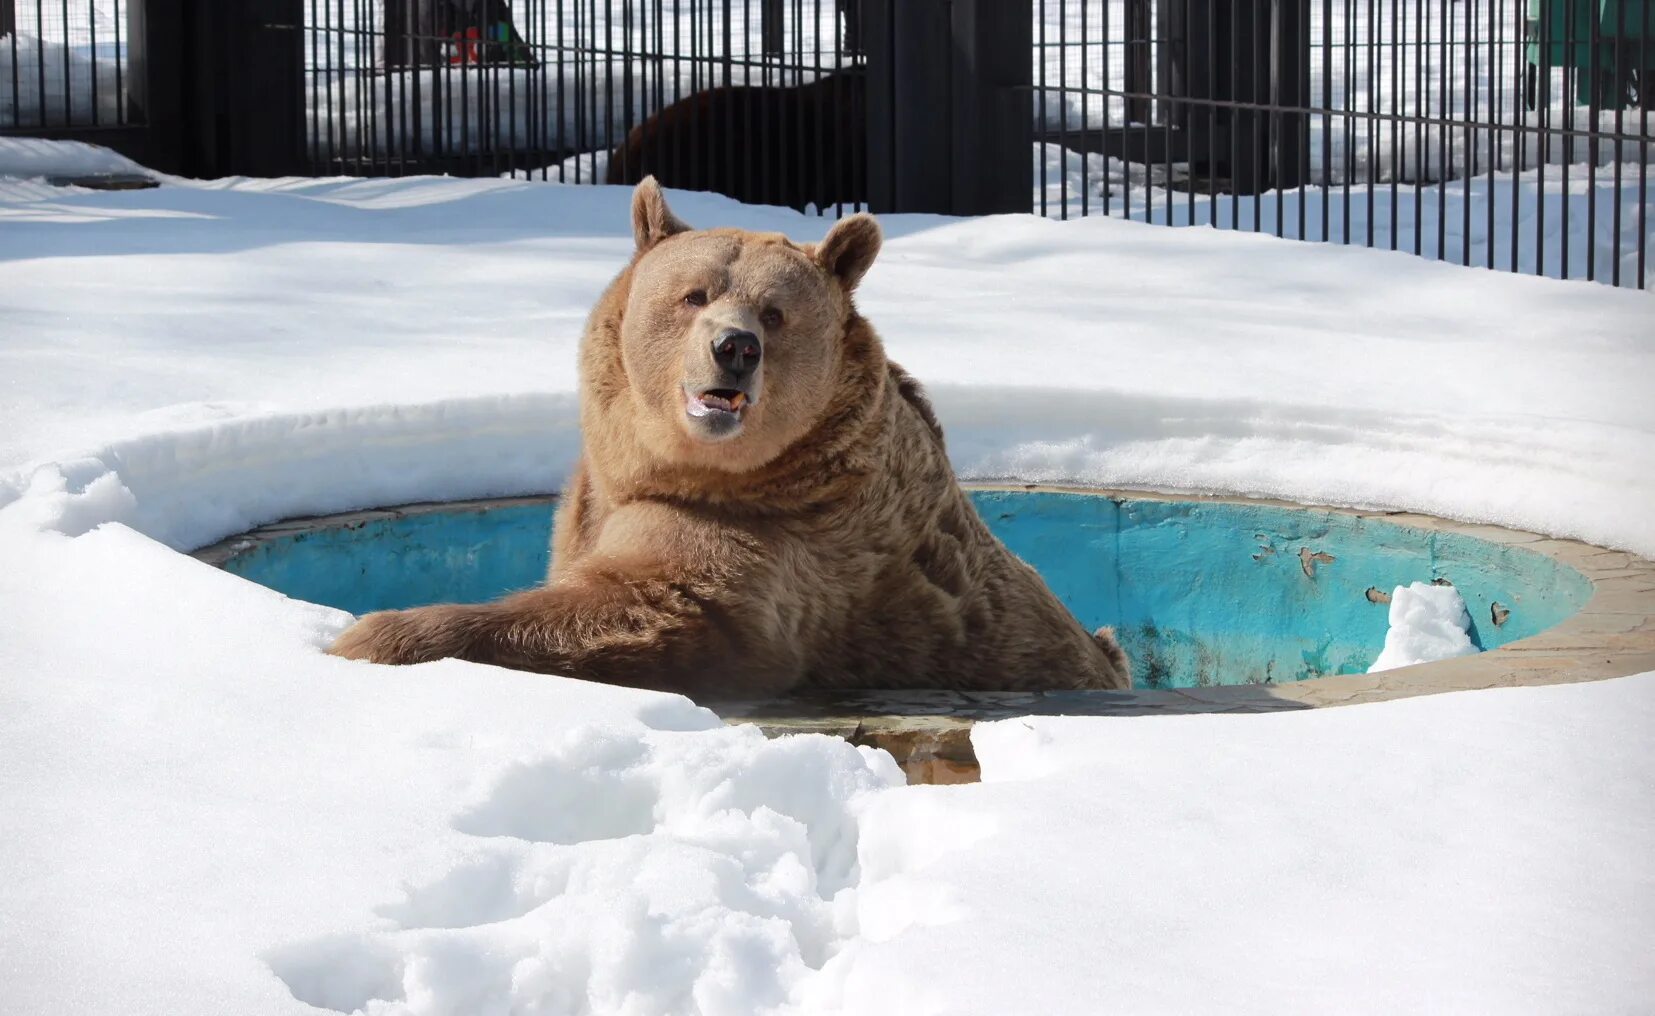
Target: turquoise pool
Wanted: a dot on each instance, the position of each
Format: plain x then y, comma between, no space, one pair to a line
1200,592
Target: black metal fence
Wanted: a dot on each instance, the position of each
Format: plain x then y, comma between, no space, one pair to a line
64,65
1511,134
759,99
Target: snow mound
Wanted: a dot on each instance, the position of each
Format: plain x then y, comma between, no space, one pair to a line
706,872
1428,622
37,157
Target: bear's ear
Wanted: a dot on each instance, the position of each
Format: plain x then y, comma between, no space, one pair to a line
652,220
849,248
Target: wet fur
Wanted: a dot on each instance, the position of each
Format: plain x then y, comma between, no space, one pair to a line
830,547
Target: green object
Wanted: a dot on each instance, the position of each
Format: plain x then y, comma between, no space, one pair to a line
1560,33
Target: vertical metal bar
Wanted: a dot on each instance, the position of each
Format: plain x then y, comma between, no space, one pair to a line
1277,55
1063,107
1422,81
92,27
120,67
819,190
1301,62
1373,130
610,140
1622,75
694,139
1470,110
1519,59
1235,126
1041,101
416,80
1445,159
1543,142
586,95
1188,111
749,171
16,87
1570,97
1646,67
1163,105
312,124
729,107
1471,102
1085,87
40,60
68,87
1108,121
507,34
1594,72
844,174
1210,14
1398,110
1348,109
1327,114
560,143
1496,137
401,98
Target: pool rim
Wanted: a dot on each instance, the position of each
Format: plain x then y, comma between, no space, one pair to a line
1611,635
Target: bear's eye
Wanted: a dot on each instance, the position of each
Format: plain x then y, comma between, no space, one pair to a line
771,318
696,298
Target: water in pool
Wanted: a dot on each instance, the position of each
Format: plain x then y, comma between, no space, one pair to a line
1200,593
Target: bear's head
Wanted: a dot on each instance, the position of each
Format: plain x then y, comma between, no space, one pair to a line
733,343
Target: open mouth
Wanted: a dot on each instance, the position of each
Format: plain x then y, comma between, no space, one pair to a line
717,403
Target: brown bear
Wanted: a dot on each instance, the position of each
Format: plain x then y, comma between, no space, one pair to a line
763,503
793,145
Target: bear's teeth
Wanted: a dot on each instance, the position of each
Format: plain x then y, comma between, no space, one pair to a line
738,401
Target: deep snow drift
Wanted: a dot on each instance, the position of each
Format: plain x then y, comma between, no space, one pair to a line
205,814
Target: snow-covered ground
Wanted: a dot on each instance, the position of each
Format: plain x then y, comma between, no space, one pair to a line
32,158
1591,226
205,814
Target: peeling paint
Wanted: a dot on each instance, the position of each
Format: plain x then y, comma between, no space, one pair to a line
1498,613
1377,595
1308,560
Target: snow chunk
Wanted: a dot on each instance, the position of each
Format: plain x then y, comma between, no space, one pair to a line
1428,623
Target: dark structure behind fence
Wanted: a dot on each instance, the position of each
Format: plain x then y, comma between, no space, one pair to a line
1512,134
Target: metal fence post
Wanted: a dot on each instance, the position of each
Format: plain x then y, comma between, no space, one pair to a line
247,114
950,120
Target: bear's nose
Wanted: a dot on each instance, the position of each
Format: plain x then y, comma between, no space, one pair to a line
737,351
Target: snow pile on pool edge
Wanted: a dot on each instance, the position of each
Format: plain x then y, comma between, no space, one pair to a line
1428,622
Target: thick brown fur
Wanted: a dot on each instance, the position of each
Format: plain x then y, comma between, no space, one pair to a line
794,145
822,544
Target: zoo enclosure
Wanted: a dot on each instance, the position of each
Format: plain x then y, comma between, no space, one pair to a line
1507,133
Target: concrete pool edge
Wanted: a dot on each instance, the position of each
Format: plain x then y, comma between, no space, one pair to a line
1611,635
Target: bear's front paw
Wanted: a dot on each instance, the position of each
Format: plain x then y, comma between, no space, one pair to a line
408,636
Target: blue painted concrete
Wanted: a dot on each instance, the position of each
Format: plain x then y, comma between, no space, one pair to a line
1200,593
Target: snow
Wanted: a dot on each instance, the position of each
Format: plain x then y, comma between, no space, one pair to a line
1591,225
34,157
1428,623
1475,852
206,814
